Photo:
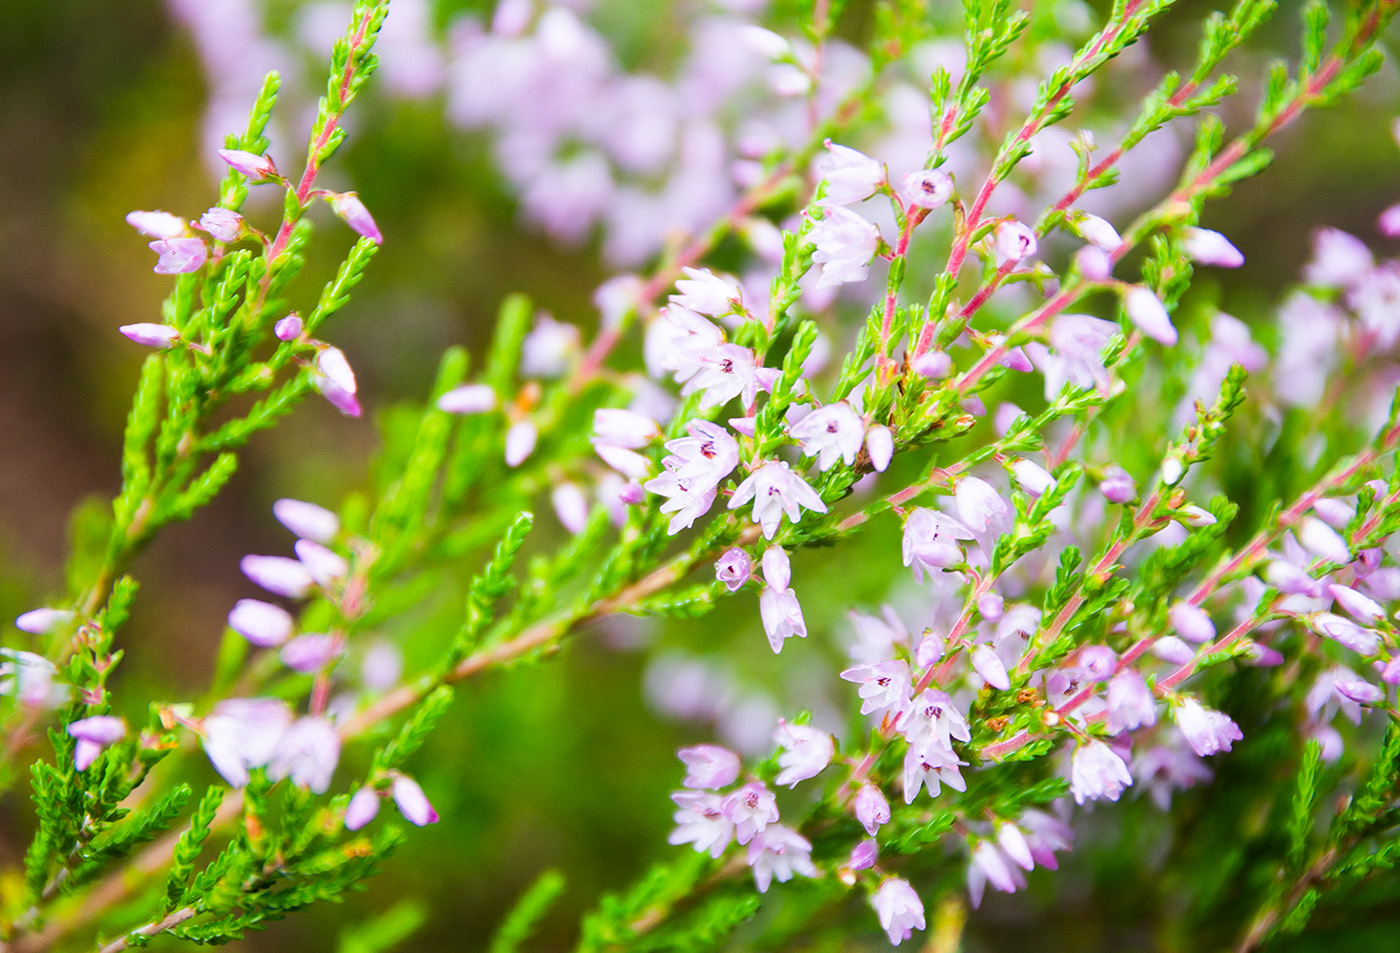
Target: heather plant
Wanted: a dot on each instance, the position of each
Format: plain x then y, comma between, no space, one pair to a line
1052,558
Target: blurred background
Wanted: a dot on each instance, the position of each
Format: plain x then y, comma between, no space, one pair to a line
112,105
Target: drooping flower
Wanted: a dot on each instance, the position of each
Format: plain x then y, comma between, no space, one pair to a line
776,853
1014,241
704,292
930,542
1097,231
807,752
278,575
1360,606
782,617
1150,315
734,568
989,665
244,733
150,335
31,679
1117,485
1034,478
845,243
251,164
723,372
1130,702
157,224
850,175
222,224
1191,622
412,803
830,433
326,566
879,444
363,807
930,764
872,809
701,821
885,686
310,652
1096,771
899,909
349,207
775,490
1208,732
981,508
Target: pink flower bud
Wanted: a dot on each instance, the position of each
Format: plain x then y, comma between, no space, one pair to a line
935,365
413,804
278,575
251,164
307,520
325,566
623,428
310,653
157,224
1014,844
1034,478
1150,315
1211,248
734,568
777,570
261,623
1098,661
288,328
1389,222
1192,622
1335,513
1098,231
1094,263
468,399
1360,607
363,807
989,665
151,335
926,188
179,256
879,445
331,362
1130,702
341,399
571,506
872,809
1359,690
1014,241
991,605
520,442
1171,649
632,493
349,207
222,224
1322,540
864,855
43,621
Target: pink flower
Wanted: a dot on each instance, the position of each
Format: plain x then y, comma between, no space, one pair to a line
1208,732
879,445
520,442
412,803
926,188
623,428
1097,231
782,616
244,733
251,164
864,855
278,575
261,623
326,566
363,806
776,853
884,686
981,508
1034,478
704,292
307,520
1211,248
222,224
1014,241
898,908
775,490
151,335
872,810
1117,485
709,766
93,735
288,328
734,568
179,256
1359,606
468,399
570,506
850,176
1389,222
310,652
1130,702
989,665
43,621
1096,771
751,809
307,753
1150,315
830,433
723,372
349,207
701,821
1191,622
157,224
1339,259
807,752
845,243
930,542
927,765
991,865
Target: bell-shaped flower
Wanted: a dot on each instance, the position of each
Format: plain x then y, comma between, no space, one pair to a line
349,207
1097,772
898,908
1191,622
930,542
930,764
1014,241
850,176
261,623
776,853
872,809
179,256
830,433
222,224
254,166
806,752
751,809
1211,248
1097,231
1130,702
885,686
709,766
775,490
363,807
412,803
307,753
1146,311
307,520
926,188
704,292
734,568
244,733
782,616
989,665
845,243
1206,731
701,821
147,334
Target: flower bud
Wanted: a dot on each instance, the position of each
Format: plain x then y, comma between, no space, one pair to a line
468,399
261,623
307,520
413,804
734,568
222,224
349,207
1150,315
278,575
879,445
926,188
709,766
1014,241
179,256
989,665
363,807
864,855
157,224
43,621
325,566
1192,622
288,328
255,167
1211,248
520,442
872,809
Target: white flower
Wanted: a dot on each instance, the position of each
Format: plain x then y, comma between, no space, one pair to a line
705,292
775,489
845,243
1096,772
849,175
898,908
830,433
